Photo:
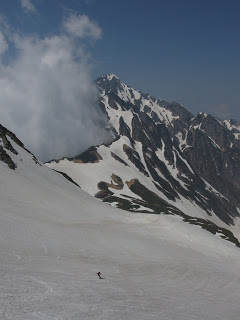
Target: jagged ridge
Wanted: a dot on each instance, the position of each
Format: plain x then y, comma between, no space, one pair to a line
191,163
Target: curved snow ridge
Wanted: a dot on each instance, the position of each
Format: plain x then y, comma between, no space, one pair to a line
88,176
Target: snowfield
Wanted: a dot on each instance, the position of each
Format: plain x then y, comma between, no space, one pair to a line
55,238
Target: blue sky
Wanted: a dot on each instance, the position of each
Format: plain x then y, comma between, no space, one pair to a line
186,51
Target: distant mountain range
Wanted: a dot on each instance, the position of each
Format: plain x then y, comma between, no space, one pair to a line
162,159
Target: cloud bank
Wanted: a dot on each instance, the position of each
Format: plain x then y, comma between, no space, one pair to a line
82,27
47,96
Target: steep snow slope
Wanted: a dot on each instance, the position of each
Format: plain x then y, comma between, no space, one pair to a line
88,176
55,237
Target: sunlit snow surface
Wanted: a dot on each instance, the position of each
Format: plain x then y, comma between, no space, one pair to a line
55,238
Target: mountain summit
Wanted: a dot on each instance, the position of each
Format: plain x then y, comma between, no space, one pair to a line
162,158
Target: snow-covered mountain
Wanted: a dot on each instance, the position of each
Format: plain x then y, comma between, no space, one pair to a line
162,159
55,238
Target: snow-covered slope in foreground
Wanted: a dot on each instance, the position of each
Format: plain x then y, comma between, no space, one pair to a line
55,237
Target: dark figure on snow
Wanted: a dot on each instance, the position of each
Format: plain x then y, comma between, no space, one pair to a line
99,275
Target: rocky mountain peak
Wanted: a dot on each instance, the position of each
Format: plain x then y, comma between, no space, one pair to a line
164,155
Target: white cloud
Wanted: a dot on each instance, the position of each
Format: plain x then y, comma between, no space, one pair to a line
28,6
48,98
80,26
3,44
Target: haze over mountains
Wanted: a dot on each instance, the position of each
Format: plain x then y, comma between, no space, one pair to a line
175,255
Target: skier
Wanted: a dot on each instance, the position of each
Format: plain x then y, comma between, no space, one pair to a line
99,275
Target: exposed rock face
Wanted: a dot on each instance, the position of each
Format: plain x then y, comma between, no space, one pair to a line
214,153
170,155
196,148
89,156
5,146
4,157
5,136
116,183
9,154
